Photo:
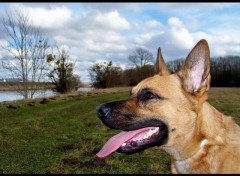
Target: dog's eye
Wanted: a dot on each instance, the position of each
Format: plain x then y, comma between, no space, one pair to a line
149,95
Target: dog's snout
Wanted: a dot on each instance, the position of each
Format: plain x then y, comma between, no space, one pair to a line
103,110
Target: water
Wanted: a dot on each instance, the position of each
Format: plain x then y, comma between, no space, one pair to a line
14,95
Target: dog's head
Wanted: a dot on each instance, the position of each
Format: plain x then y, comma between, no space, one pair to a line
162,110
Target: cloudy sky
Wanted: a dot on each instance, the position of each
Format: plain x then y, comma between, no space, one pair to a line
95,32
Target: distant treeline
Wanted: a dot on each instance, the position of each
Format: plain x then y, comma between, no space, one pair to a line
225,72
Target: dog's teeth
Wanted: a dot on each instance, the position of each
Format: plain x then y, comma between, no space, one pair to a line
124,144
156,129
151,132
145,136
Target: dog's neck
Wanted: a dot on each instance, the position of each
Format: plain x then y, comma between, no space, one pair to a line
185,167
184,152
204,136
218,131
223,128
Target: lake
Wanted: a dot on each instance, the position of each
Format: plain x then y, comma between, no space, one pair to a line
14,95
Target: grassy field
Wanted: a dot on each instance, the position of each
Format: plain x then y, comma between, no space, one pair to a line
63,134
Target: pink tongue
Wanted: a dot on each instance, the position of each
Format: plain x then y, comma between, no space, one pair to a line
116,141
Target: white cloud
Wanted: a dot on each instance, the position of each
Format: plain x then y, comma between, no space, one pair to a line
185,8
152,24
3,43
111,6
177,41
100,21
98,31
175,22
148,26
112,20
180,35
95,32
143,38
54,17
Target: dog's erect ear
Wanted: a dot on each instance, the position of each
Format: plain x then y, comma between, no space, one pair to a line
195,72
160,64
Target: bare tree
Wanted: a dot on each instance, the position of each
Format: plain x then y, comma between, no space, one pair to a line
27,47
175,65
141,57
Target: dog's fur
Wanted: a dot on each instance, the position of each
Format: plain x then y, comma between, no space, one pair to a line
200,138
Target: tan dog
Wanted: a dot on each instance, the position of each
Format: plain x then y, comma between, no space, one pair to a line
170,111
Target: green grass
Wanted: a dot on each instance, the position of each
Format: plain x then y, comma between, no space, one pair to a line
64,135
227,101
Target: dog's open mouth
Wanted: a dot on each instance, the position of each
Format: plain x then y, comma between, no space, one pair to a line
134,141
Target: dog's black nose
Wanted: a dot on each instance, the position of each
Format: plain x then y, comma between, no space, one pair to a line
103,110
